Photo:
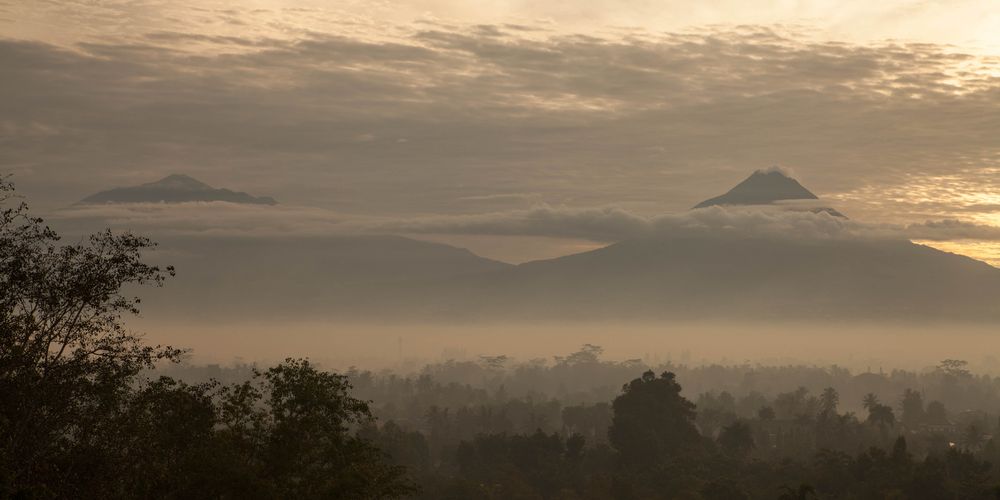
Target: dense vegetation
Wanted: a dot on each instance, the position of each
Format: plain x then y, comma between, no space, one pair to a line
79,418
567,428
88,410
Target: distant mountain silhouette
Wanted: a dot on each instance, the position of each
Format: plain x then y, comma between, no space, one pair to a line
233,276
720,275
389,278
717,277
174,189
766,187
763,187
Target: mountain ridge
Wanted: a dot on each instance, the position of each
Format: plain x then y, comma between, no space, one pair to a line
174,188
721,277
716,275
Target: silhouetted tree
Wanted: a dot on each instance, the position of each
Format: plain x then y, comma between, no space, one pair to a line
293,423
870,401
972,437
828,401
78,421
765,414
737,438
912,403
936,413
66,358
652,422
954,367
881,415
803,492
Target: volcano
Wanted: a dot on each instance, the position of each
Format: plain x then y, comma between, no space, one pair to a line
718,274
763,187
768,187
175,188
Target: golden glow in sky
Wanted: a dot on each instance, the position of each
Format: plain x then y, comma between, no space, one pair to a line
888,109
971,24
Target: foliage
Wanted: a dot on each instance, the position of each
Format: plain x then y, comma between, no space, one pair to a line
79,420
66,357
652,421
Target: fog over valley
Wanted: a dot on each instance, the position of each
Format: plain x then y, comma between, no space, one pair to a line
435,249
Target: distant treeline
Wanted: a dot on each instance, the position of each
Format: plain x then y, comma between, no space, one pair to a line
583,378
492,428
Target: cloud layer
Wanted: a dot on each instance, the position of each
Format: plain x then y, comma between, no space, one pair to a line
599,224
401,120
388,119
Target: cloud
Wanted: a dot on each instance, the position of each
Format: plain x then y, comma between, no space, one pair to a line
209,219
501,197
609,224
599,224
951,229
403,119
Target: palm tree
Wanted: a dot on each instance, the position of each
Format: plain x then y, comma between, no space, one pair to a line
870,401
973,437
881,415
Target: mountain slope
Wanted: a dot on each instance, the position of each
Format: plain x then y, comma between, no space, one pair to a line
763,187
247,277
173,189
719,277
710,275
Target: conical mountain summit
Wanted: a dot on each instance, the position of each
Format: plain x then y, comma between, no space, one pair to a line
763,187
767,187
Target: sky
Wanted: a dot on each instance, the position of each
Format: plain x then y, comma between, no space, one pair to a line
580,121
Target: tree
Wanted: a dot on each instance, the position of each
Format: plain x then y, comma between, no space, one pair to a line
161,443
737,438
405,447
66,357
652,422
900,453
494,362
293,423
936,413
954,367
724,490
588,354
968,477
881,415
538,465
803,492
973,437
870,401
789,405
828,402
765,414
912,403
78,421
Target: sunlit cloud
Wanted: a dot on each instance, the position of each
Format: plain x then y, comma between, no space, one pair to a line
600,224
421,111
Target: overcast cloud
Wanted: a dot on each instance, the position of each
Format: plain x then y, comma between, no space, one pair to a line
599,224
448,123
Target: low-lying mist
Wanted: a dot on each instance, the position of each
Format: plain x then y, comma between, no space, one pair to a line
406,348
